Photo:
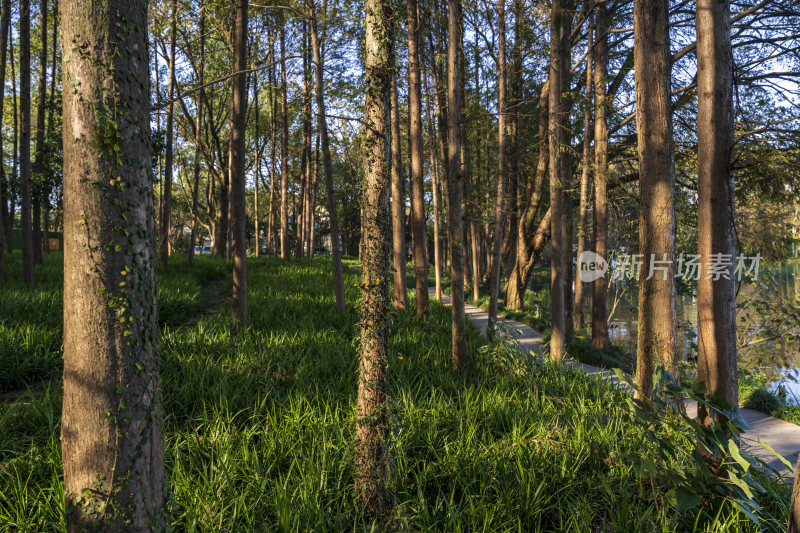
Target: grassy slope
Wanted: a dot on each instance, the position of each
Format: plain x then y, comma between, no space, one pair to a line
259,427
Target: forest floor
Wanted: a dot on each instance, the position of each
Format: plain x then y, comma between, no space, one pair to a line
782,436
259,425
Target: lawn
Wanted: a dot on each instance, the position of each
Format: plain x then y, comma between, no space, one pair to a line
259,425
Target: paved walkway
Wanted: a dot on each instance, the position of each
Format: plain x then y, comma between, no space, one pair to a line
783,436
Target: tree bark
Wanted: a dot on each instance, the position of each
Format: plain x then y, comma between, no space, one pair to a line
166,201
284,153
237,168
398,207
418,220
657,313
257,155
38,165
25,140
327,165
586,173
111,425
371,416
455,225
5,19
716,232
198,130
555,136
600,228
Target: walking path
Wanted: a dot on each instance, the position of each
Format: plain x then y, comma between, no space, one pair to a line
783,436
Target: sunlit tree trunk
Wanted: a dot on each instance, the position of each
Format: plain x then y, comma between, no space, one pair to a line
257,164
284,153
198,130
38,165
5,18
25,139
111,426
555,136
327,165
398,207
455,224
166,201
418,220
371,422
716,231
499,218
237,162
657,315
600,228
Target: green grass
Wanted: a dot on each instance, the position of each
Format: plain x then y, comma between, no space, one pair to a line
260,425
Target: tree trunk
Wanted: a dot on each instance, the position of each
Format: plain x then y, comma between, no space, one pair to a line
166,201
305,170
555,136
455,225
111,425
15,155
284,153
656,344
273,119
198,131
437,241
398,207
499,219
257,156
327,165
600,229
716,232
371,418
38,165
25,139
583,215
5,18
237,167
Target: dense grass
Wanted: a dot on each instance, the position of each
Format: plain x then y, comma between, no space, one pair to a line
259,425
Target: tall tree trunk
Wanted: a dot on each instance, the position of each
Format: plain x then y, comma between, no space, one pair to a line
25,139
327,165
600,228
418,220
437,241
257,156
237,164
198,130
38,165
455,225
555,136
111,425
273,118
716,232
398,207
166,202
499,219
583,216
15,155
371,418
305,170
657,314
5,18
284,153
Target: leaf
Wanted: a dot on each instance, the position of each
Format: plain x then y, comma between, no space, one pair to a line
776,454
684,499
734,451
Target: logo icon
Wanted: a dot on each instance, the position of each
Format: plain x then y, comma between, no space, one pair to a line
591,266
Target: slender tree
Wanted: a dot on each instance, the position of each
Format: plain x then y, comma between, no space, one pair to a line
600,228
237,167
398,207
284,153
198,130
371,417
111,429
166,200
5,18
657,314
716,231
25,139
499,218
327,165
38,164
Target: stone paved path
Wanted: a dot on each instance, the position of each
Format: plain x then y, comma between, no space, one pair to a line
783,436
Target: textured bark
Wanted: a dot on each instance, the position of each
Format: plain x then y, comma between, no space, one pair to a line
5,218
499,206
237,166
198,130
38,165
455,224
273,119
166,201
398,208
305,170
112,444
284,153
418,221
555,136
716,232
327,166
371,422
600,228
657,314
586,172
25,139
